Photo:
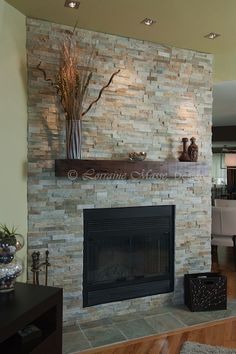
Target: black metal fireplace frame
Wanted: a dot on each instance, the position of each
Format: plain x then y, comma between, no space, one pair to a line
135,288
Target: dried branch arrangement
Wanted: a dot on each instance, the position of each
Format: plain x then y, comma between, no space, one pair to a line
73,79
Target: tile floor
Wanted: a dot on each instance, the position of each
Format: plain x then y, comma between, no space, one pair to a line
122,328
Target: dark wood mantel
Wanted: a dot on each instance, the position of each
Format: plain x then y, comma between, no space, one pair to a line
125,169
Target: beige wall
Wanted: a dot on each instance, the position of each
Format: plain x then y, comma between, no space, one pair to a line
13,120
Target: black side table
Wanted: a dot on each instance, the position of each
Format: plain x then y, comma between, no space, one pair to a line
39,307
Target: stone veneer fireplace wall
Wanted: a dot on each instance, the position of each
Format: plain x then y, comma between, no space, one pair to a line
161,95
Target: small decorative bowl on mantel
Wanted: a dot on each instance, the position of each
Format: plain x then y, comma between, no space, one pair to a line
137,156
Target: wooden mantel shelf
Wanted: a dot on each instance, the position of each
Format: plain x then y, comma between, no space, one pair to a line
125,169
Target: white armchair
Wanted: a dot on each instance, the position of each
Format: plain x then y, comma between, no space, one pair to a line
223,229
229,203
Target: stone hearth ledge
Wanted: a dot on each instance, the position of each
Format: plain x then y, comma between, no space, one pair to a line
117,329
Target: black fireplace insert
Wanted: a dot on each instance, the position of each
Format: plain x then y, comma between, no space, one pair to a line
128,253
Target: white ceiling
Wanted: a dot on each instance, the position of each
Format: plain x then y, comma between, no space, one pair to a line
182,23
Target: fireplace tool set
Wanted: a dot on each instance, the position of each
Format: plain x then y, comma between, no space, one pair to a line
36,267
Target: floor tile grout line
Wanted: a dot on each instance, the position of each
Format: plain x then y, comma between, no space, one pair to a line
158,314
86,338
118,329
110,326
148,325
179,320
172,315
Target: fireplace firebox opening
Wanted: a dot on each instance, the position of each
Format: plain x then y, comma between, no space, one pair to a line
128,253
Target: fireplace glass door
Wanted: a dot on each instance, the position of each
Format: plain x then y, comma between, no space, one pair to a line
128,252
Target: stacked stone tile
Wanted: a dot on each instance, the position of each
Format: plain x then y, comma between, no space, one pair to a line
161,95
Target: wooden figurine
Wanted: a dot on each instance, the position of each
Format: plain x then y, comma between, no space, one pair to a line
193,150
184,156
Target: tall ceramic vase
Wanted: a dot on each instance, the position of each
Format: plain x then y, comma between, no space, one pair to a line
73,138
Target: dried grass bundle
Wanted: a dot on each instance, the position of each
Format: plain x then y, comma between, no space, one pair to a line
73,79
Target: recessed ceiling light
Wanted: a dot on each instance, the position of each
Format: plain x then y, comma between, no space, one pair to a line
72,4
148,21
212,35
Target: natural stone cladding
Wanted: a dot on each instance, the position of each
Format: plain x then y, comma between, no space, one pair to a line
161,95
